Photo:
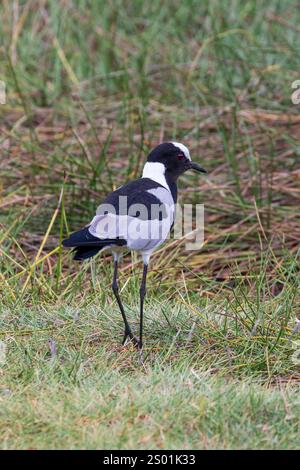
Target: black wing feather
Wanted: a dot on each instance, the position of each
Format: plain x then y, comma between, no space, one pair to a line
87,245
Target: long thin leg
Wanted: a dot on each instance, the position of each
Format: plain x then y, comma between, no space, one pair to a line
142,297
115,288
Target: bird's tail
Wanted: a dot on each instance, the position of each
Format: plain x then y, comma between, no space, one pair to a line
85,245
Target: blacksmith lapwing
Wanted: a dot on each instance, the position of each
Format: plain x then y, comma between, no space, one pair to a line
137,216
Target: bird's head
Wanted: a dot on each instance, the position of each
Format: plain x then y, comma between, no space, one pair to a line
174,157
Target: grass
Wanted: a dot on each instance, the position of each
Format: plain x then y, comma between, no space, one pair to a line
91,88
68,385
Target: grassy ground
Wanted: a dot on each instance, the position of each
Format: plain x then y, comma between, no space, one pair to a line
91,87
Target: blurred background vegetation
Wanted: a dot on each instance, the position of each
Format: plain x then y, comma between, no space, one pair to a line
91,87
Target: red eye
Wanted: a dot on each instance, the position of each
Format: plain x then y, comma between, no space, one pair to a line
180,157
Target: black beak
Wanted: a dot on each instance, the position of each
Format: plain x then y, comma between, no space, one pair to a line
195,166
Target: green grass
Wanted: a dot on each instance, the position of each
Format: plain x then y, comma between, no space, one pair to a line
166,408
91,87
67,382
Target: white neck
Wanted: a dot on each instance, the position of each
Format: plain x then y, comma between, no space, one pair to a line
156,172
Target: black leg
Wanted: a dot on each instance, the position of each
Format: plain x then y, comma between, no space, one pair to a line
128,333
142,297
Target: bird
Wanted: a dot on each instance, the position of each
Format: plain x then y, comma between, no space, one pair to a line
137,216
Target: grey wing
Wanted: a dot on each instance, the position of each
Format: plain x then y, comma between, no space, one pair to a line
143,225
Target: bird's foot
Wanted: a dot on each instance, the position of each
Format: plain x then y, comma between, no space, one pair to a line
130,338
